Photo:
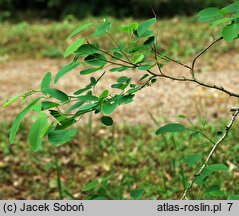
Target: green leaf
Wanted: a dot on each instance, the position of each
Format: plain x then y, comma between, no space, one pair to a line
46,81
133,90
73,47
218,167
45,130
89,71
181,116
221,21
216,193
65,123
211,11
143,28
231,8
203,176
104,94
204,122
58,137
123,79
106,120
87,49
82,27
90,186
17,121
137,194
39,115
153,81
48,104
34,136
193,159
57,115
170,128
213,188
130,28
11,100
126,99
96,60
88,97
103,28
143,77
75,106
88,107
37,107
149,41
230,32
123,83
117,86
67,68
59,95
209,14
233,197
145,34
119,69
89,86
138,58
108,107
145,67
117,55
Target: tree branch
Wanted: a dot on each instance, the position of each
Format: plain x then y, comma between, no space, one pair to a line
184,79
200,54
203,167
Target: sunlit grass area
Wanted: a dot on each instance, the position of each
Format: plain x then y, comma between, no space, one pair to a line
132,157
181,37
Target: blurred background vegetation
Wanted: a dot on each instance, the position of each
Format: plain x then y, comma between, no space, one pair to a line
131,154
58,9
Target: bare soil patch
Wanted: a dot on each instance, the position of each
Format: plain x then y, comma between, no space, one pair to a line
166,98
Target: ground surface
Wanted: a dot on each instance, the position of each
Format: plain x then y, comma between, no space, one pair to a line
166,98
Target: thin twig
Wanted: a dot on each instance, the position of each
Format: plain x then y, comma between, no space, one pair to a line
116,43
198,173
176,61
147,83
204,135
184,79
58,172
109,54
200,54
156,59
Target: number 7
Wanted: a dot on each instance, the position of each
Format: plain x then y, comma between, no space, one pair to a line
230,205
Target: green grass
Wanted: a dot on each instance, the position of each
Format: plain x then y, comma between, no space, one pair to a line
132,156
181,37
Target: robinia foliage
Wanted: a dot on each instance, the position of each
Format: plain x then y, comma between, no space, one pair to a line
56,111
